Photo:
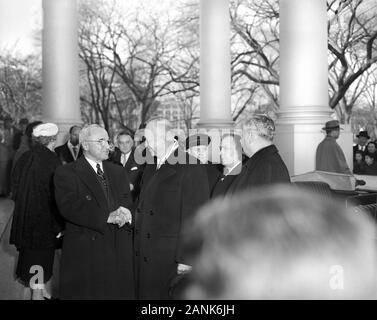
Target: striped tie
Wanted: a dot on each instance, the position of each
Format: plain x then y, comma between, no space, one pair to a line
102,177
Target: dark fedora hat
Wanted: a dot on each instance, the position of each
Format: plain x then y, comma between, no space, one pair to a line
332,124
197,140
363,134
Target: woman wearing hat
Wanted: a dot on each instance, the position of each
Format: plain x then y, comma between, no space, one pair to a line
36,222
197,145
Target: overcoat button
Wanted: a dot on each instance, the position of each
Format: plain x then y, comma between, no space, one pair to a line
145,259
93,238
151,213
88,197
148,235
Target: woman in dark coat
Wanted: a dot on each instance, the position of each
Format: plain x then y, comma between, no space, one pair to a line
197,145
36,222
26,142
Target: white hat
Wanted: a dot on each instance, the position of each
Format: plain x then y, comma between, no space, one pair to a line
46,130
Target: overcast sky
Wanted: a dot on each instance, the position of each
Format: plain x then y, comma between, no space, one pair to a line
18,20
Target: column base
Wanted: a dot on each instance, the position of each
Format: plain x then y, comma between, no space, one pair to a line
304,115
216,123
297,144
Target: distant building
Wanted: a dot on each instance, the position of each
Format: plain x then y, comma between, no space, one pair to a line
171,110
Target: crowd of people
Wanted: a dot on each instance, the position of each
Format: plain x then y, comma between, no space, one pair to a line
365,155
131,229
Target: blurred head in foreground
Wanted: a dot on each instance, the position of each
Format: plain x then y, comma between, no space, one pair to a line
280,243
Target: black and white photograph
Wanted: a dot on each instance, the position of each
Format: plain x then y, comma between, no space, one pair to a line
187,156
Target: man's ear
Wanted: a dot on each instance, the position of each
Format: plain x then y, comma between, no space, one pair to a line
84,145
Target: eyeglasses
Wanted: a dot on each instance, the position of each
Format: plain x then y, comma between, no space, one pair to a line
102,142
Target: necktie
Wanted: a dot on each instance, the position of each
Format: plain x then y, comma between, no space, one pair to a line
102,177
74,152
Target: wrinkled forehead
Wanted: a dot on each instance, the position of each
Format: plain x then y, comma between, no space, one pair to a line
98,133
124,138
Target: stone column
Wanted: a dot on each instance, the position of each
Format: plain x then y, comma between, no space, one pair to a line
215,73
61,100
215,77
304,84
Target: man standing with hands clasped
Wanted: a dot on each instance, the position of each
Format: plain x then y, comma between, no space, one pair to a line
93,196
171,191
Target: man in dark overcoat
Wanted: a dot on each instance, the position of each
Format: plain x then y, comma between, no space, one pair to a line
124,155
329,155
362,142
71,150
265,166
171,191
93,196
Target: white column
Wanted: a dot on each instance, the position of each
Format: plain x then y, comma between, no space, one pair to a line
303,83
215,77
61,100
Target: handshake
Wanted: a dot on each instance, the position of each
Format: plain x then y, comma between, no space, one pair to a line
120,216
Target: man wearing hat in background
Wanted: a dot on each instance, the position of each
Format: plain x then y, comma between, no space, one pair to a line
329,155
362,140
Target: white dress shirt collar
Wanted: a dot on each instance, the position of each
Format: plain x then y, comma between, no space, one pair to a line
93,164
232,168
124,158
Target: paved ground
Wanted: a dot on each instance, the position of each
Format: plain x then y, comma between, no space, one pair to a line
10,289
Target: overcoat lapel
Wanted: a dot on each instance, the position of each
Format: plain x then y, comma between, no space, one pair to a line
88,176
130,161
165,171
111,177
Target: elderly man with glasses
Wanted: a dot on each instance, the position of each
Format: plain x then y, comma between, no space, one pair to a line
93,196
